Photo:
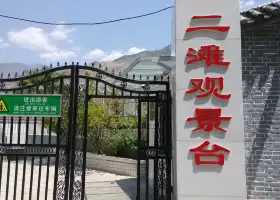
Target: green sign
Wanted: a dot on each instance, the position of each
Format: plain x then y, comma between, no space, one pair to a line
30,105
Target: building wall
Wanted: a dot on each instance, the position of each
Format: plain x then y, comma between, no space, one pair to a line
261,90
16,133
146,68
173,34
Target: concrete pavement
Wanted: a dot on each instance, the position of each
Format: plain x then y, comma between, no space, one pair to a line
99,185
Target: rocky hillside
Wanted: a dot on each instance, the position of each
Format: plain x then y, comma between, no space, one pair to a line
12,68
166,51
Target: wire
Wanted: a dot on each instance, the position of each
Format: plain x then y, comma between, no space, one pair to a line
86,23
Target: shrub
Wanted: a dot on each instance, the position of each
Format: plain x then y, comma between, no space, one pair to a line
109,132
125,143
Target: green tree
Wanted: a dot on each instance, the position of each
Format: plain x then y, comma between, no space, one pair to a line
39,80
109,132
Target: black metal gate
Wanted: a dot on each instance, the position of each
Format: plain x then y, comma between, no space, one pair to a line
45,157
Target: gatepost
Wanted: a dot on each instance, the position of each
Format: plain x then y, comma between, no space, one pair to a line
209,128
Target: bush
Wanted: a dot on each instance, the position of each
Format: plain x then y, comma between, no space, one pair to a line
109,132
125,143
117,142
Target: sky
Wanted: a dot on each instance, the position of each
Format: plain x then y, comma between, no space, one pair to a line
25,42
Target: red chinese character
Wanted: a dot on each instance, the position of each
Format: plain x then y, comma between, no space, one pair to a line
208,28
207,17
211,54
210,87
208,119
200,151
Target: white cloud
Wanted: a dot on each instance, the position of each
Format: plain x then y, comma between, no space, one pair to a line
245,4
134,50
100,55
58,56
37,40
32,38
112,56
60,32
3,44
95,54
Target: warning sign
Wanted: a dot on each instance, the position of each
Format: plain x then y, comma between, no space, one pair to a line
31,105
3,107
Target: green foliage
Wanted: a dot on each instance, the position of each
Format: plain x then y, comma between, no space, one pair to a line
38,80
107,127
108,131
125,143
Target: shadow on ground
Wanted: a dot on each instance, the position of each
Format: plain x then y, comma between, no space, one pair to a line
118,189
129,186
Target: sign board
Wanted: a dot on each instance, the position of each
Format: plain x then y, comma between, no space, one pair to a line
210,156
41,105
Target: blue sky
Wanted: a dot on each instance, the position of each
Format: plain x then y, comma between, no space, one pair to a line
32,43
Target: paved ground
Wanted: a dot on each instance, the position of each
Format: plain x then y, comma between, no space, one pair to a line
99,185
105,186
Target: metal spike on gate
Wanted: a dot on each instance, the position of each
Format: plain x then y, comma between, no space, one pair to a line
126,75
44,67
9,75
16,75
57,64
37,70
100,66
161,78
85,64
133,77
106,68
155,78
30,72
120,73
92,64
2,75
73,63
65,64
77,63
113,71
147,77
50,65
168,78
22,73
140,77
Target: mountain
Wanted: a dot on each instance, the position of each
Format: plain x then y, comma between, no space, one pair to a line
12,68
166,51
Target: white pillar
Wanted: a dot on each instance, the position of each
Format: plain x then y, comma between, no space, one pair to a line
209,181
173,33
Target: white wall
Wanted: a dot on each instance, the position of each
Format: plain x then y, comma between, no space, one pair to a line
173,33
18,132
